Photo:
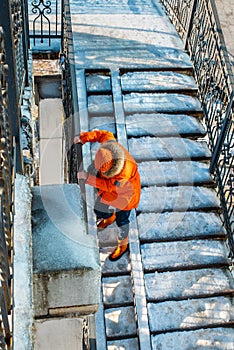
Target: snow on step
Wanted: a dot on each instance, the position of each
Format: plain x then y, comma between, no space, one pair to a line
179,225
178,198
100,104
178,255
189,314
102,123
187,284
129,344
117,290
173,173
214,338
120,322
120,7
98,83
97,53
110,268
160,103
154,81
152,148
156,124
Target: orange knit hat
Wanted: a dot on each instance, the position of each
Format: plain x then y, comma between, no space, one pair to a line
103,160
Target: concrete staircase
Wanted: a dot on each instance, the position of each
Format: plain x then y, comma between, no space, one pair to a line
174,289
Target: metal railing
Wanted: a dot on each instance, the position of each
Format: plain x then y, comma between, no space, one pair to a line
198,25
46,22
6,207
13,79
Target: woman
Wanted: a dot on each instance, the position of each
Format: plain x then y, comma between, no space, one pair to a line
118,182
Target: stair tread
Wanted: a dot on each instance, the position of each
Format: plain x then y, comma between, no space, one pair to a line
117,290
152,148
98,83
183,254
177,198
160,103
187,284
120,322
179,225
211,338
100,105
103,123
129,57
172,173
189,314
130,344
155,81
156,124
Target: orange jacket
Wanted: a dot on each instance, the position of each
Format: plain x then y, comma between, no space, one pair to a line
121,191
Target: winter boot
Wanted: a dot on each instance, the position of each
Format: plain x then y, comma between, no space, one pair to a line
118,252
103,223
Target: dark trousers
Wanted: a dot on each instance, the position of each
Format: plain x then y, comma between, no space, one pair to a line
122,216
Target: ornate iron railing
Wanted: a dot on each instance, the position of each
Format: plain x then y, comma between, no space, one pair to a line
46,21
13,79
6,207
70,94
198,24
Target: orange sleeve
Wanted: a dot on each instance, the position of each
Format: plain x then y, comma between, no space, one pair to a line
96,136
101,184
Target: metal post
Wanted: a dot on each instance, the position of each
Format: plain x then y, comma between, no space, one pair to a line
13,108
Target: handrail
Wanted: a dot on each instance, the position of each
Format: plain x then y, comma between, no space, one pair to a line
6,205
198,25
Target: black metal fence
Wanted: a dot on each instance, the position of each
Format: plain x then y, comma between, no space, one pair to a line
6,193
46,20
13,78
198,24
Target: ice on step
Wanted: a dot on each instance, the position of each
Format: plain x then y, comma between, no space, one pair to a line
178,198
188,314
177,255
213,338
153,148
160,103
177,225
187,284
150,81
173,173
156,124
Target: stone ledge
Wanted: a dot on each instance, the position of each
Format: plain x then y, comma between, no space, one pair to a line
66,264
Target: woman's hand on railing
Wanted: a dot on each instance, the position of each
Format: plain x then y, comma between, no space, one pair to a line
77,140
82,175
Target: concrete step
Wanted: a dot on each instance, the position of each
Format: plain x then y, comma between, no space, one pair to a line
120,322
161,103
144,81
161,125
190,314
117,291
130,344
179,198
98,82
174,173
128,57
120,7
167,148
177,226
103,123
211,338
190,284
115,268
183,255
100,105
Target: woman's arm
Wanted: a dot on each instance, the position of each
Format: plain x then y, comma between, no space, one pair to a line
96,136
